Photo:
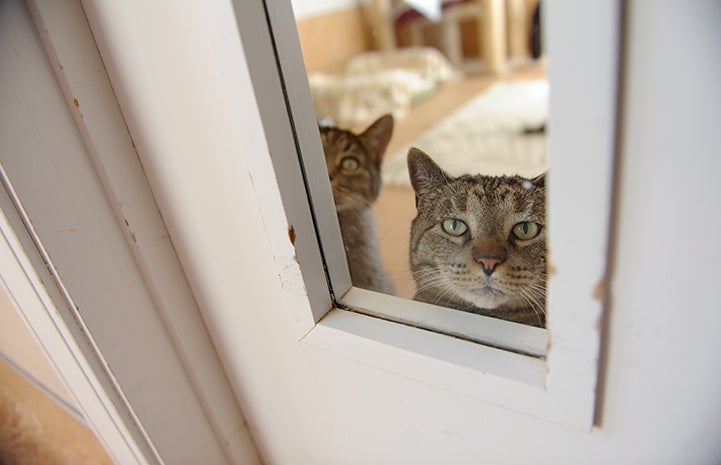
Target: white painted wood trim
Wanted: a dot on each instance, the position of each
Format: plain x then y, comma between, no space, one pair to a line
30,297
583,75
170,383
478,328
102,127
392,346
287,64
272,120
583,41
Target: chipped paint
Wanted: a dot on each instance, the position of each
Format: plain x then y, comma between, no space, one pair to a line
550,269
291,234
291,279
549,341
598,289
76,103
453,434
132,234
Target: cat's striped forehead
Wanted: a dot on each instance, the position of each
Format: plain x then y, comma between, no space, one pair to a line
489,196
341,141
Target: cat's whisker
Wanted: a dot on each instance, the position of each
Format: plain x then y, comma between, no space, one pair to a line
426,285
424,277
531,305
535,304
438,281
445,295
405,274
536,298
434,273
538,292
439,270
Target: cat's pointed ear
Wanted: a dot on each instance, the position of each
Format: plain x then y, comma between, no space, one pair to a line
425,174
539,181
377,136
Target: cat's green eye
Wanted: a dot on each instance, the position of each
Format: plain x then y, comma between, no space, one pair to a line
454,227
527,230
349,164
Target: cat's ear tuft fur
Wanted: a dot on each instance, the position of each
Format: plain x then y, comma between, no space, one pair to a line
425,174
378,135
539,181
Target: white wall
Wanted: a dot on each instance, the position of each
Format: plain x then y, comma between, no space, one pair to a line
305,9
661,399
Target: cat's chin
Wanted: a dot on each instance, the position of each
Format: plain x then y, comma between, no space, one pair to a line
486,297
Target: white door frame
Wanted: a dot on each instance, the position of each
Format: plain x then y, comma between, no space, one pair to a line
238,92
89,261
584,42
260,126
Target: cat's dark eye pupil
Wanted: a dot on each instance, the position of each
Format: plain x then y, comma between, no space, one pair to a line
454,227
526,230
349,163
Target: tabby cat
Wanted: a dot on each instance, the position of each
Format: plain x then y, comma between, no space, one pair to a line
354,162
478,243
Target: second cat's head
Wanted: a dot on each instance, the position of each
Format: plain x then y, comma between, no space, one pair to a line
353,162
478,241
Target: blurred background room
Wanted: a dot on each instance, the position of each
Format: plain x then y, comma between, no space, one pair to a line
464,79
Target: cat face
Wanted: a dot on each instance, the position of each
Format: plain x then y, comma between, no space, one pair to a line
353,162
478,242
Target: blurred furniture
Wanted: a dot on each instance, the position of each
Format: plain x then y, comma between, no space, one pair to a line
375,83
502,27
451,14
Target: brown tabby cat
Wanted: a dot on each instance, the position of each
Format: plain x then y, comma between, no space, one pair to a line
353,162
478,243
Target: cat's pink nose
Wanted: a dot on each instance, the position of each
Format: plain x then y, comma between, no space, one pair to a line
489,264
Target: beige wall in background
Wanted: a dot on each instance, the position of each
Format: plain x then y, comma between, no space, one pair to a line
18,345
34,429
329,40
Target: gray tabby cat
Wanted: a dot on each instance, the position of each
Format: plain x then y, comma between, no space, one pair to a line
353,162
478,243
